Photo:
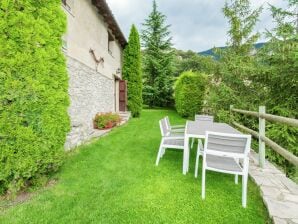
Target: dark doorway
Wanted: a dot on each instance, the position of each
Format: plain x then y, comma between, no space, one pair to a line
122,95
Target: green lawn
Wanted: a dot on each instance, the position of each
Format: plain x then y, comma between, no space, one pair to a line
115,180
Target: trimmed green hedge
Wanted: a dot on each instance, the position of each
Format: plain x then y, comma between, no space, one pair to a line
132,72
34,91
189,93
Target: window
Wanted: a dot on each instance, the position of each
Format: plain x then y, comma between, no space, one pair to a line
110,43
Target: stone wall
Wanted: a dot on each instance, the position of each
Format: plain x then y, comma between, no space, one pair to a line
90,92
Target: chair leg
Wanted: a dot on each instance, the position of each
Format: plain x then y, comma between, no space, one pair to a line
192,142
236,176
244,190
159,154
236,179
197,162
203,181
200,144
162,152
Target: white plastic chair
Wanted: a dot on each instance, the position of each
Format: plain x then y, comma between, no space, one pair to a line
174,128
168,140
201,118
222,153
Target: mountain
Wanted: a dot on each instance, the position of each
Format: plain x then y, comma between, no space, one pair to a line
215,56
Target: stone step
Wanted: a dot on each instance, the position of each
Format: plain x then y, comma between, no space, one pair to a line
125,115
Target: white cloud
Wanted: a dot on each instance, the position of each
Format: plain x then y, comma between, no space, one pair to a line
195,24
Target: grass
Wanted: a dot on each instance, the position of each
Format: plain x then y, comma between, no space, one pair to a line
114,180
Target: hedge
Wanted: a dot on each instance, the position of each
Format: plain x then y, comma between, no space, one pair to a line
132,72
189,93
34,91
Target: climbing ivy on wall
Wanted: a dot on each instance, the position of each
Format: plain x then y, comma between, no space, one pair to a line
33,86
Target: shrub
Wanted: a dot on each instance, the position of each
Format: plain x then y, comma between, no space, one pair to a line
34,92
189,93
106,120
132,72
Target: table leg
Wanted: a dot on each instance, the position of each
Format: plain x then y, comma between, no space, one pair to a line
188,156
185,154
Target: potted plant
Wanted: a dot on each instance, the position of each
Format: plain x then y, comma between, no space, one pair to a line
106,120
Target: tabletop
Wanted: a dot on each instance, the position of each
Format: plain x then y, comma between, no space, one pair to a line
199,128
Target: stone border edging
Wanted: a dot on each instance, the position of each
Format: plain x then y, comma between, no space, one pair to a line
280,194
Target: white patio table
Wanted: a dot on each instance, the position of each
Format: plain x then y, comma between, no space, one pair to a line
197,129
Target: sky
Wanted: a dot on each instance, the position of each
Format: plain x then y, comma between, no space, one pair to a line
196,25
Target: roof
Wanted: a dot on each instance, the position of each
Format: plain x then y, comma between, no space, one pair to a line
106,13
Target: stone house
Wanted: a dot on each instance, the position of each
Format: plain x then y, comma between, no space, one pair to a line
93,45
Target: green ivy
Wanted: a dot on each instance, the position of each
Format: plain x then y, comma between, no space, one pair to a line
189,93
33,85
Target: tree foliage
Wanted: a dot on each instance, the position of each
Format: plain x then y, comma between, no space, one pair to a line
248,78
242,20
236,62
190,93
192,61
278,75
279,59
34,91
132,72
157,59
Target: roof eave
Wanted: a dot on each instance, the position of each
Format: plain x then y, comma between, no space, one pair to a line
106,13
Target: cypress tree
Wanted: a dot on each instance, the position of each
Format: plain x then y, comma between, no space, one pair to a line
132,72
158,57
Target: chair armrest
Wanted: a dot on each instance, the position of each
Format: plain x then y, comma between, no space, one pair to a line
173,137
178,126
177,130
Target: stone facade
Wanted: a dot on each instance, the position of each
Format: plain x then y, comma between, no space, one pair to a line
92,84
90,92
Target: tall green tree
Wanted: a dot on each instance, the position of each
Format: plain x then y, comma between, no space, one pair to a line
233,81
279,76
237,60
280,58
249,78
242,20
158,57
132,72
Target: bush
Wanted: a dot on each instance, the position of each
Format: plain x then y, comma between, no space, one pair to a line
106,120
132,72
189,93
34,92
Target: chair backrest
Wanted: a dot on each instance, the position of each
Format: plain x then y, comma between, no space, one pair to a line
167,122
201,117
230,145
163,127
